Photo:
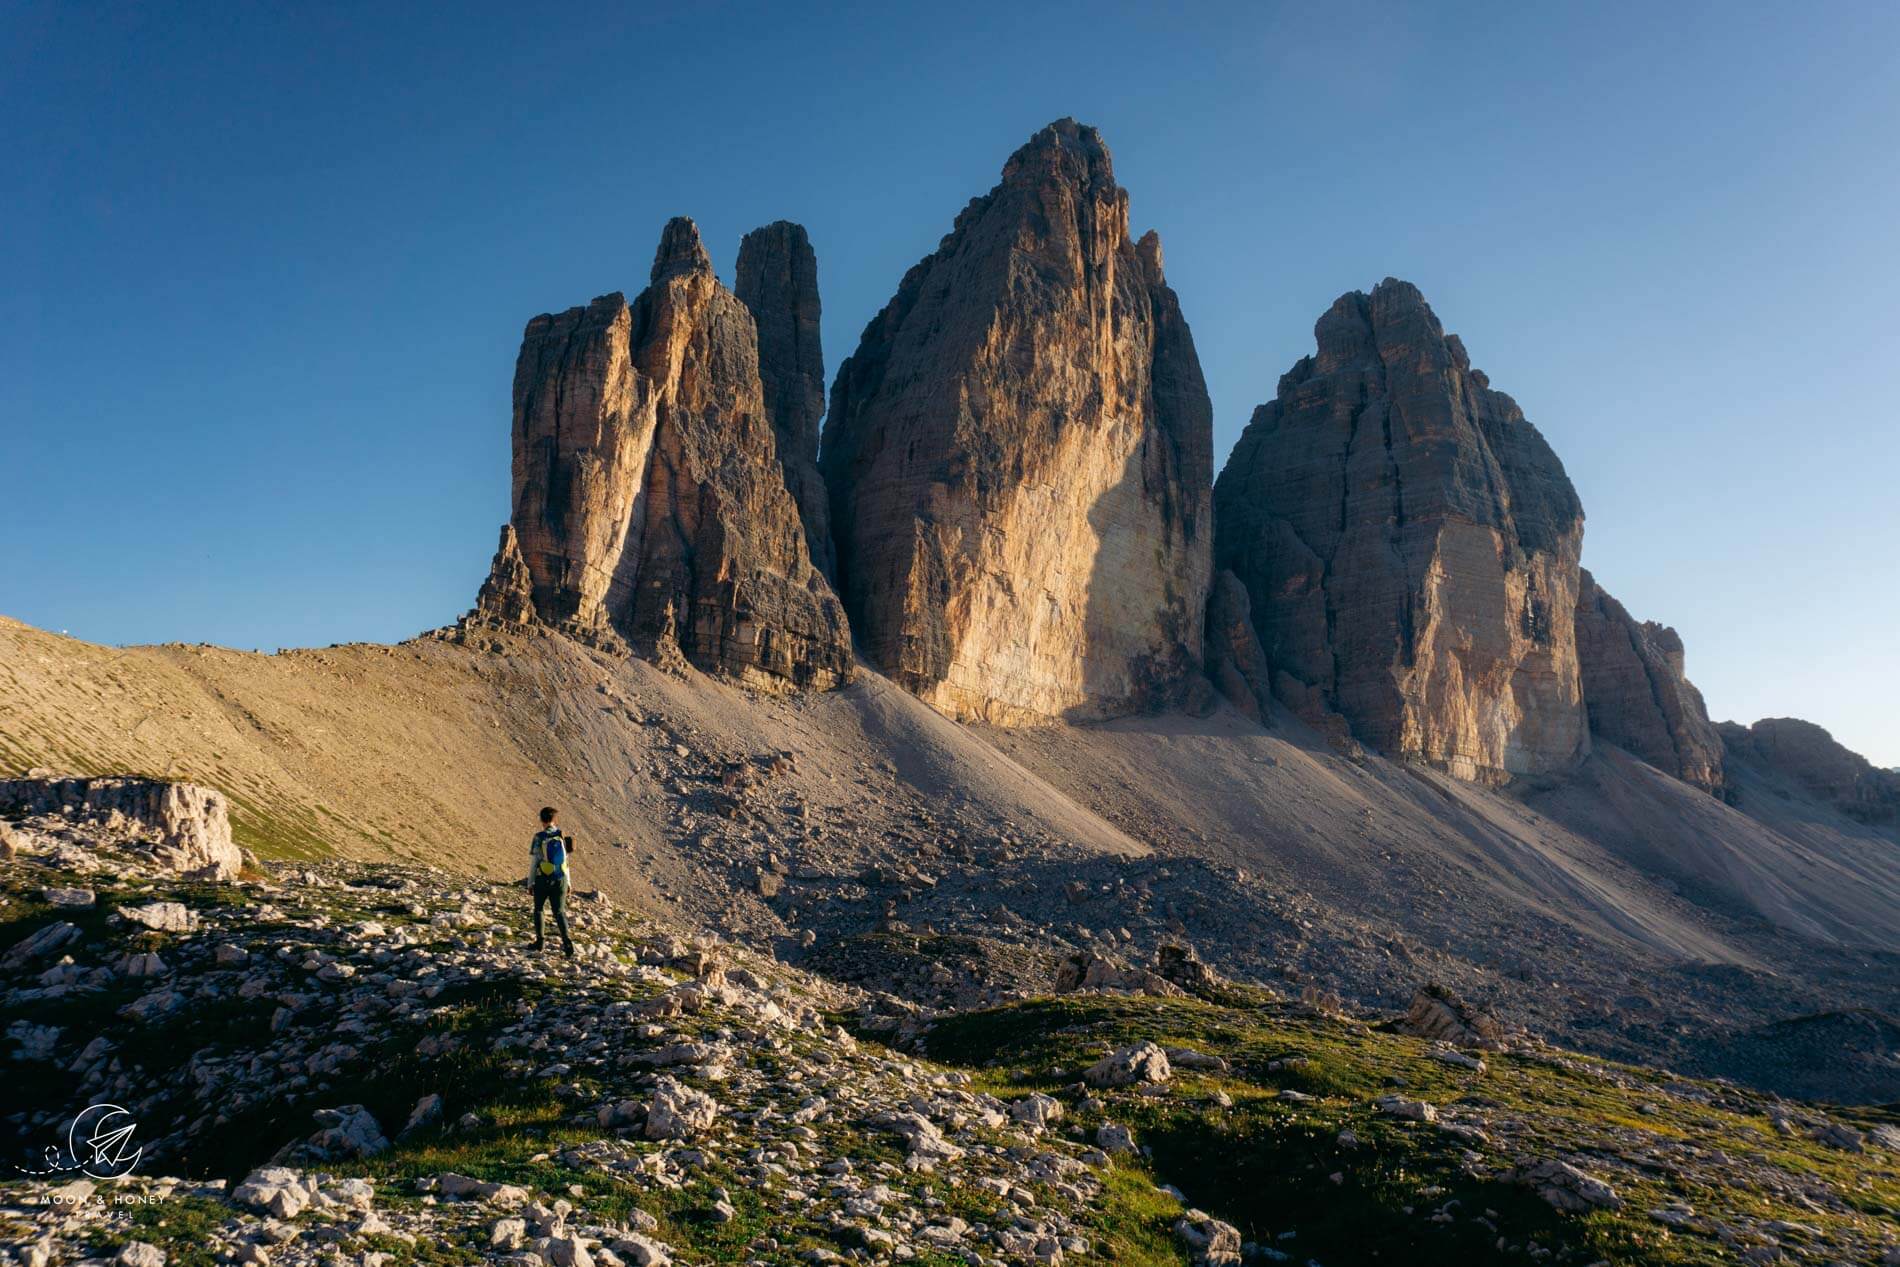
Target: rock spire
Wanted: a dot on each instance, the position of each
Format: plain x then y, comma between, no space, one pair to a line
649,500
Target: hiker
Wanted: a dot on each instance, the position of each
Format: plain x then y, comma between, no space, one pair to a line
548,877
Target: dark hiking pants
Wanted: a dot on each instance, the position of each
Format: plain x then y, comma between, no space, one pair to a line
552,892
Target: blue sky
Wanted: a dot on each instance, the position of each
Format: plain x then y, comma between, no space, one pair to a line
266,270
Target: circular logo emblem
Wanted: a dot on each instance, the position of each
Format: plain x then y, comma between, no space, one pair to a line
100,1141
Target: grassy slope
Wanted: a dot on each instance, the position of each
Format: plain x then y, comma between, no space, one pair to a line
1274,1166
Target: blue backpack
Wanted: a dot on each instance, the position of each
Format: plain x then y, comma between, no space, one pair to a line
553,854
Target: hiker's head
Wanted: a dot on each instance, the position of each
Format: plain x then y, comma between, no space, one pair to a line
548,815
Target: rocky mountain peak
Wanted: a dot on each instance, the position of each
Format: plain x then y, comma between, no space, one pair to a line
680,251
1409,546
1019,455
1065,152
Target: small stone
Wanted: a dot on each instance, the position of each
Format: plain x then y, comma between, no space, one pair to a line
161,917
140,1254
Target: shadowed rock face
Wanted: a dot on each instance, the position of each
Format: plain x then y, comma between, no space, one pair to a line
1813,758
1637,694
1235,663
1019,456
777,280
1409,545
649,503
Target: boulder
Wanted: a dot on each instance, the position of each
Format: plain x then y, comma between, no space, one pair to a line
1440,1015
39,944
1636,693
1408,544
278,1190
1207,1240
1136,1063
1565,1187
1404,1107
677,1111
1018,456
1036,1110
161,917
650,504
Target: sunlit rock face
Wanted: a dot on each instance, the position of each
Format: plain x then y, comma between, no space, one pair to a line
650,504
1019,456
1409,547
1638,695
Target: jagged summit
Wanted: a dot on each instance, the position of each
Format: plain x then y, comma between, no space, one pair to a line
680,251
1019,455
1064,152
1409,546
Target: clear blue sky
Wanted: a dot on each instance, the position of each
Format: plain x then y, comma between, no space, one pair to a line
265,272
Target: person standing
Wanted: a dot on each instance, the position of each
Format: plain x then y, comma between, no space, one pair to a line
548,859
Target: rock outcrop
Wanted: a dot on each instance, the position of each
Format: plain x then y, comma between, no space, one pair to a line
1809,755
649,501
777,279
1019,456
1636,693
1409,544
184,827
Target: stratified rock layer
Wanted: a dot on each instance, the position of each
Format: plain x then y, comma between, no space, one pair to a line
1019,456
1409,544
777,279
649,503
1814,759
1637,695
